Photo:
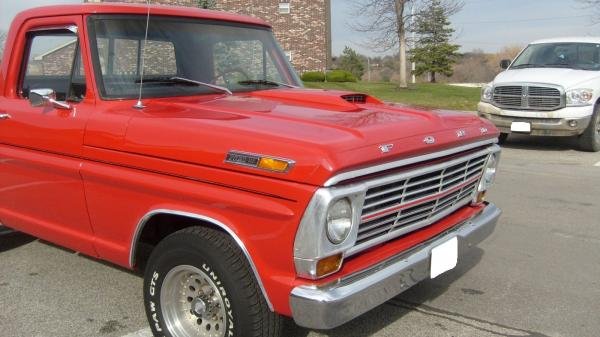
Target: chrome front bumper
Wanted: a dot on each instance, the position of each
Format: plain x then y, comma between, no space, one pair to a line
331,305
570,121
541,126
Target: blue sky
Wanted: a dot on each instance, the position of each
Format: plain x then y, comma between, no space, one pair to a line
482,24
488,24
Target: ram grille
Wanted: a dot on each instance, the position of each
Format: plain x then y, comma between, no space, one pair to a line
528,97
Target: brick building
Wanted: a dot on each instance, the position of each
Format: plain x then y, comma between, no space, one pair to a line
303,27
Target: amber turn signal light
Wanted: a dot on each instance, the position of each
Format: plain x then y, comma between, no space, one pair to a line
329,265
480,197
272,164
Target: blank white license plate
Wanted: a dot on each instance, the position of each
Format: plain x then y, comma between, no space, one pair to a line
520,127
444,257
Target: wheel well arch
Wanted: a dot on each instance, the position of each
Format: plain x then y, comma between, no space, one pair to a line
158,224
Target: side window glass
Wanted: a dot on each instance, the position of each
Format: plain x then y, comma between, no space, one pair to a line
54,62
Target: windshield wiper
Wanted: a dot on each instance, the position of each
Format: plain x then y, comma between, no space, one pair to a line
527,65
266,82
176,79
558,65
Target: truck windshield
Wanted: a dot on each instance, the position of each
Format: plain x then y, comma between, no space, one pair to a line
234,56
583,56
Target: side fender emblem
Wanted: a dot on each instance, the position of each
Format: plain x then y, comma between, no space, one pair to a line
461,133
429,140
386,148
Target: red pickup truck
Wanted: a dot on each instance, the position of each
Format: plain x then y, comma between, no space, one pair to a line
180,142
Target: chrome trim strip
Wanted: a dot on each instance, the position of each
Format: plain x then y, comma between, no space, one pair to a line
319,306
403,162
142,223
72,28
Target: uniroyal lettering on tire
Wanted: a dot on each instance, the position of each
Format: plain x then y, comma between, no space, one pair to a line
195,279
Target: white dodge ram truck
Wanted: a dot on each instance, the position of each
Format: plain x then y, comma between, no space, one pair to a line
552,88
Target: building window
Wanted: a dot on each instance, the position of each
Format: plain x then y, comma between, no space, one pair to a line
284,7
288,54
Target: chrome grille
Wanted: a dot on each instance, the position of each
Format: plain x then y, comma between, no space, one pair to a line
528,97
400,204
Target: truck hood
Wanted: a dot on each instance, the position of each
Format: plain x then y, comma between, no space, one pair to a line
323,132
568,78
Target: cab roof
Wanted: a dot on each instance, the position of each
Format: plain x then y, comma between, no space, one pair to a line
571,39
120,8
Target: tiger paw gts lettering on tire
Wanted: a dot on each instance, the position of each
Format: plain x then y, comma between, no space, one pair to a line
197,284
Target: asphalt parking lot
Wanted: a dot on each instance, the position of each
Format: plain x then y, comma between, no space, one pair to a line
537,275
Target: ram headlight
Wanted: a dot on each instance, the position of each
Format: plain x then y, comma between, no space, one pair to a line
487,93
339,221
489,173
580,97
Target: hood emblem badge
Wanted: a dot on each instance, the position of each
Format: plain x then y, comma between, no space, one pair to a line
429,140
483,131
461,133
386,148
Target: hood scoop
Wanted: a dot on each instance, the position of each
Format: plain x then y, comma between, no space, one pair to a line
355,98
334,100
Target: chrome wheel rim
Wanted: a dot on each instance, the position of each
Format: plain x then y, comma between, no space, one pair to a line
192,304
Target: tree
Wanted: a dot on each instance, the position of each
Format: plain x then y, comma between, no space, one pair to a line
389,21
207,4
433,54
352,62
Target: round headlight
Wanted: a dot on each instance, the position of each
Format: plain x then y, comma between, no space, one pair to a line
489,174
487,93
339,221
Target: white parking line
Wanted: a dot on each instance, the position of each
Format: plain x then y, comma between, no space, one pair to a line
597,164
141,333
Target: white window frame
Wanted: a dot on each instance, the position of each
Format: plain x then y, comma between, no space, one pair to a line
285,8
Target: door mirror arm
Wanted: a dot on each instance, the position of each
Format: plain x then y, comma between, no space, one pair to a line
47,98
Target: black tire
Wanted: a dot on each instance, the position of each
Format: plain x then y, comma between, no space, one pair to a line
246,312
590,139
502,138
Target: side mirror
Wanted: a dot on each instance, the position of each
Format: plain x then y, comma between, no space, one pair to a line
504,64
46,97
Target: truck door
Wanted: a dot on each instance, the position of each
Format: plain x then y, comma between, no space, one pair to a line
41,190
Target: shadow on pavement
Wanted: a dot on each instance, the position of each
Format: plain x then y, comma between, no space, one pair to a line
12,240
384,315
541,143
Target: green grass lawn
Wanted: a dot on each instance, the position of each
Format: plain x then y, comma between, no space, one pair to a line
427,95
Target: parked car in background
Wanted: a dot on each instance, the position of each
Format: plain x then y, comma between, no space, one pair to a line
552,88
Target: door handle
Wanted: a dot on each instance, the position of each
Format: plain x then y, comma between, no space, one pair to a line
4,116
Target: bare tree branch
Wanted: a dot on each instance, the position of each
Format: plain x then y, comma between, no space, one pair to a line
388,21
593,5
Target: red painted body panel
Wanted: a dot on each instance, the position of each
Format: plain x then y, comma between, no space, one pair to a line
85,178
